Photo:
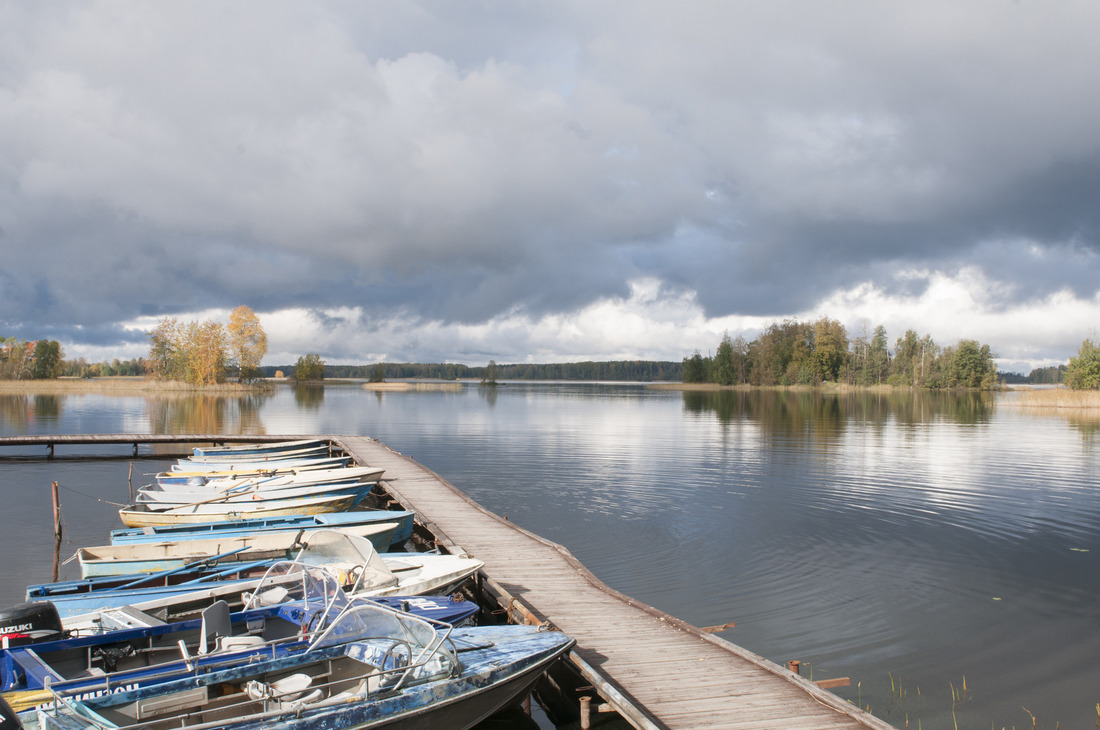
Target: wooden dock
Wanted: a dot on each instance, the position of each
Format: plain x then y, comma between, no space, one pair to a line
655,670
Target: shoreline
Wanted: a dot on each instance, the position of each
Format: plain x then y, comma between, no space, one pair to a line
1018,397
126,385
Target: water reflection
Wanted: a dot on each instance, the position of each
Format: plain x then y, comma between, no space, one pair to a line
310,396
489,393
824,414
16,413
206,413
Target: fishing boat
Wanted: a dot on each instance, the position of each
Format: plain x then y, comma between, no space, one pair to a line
271,447
291,523
141,515
407,674
285,466
138,648
152,557
361,569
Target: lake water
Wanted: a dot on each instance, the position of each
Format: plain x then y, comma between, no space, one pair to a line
942,551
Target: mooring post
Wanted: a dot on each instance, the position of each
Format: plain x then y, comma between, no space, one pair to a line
794,665
56,512
586,713
130,481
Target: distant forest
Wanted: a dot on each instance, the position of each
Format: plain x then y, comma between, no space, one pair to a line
629,370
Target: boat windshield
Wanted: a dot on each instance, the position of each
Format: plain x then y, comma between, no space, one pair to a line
351,558
290,581
413,649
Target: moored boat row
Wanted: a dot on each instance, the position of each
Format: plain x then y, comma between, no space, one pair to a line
244,593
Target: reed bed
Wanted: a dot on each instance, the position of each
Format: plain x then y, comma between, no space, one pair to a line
120,385
1057,398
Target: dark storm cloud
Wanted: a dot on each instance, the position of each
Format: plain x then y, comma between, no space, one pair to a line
471,163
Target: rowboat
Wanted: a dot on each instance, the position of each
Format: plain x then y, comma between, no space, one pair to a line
283,466
200,487
259,448
153,557
407,674
292,524
222,479
360,569
255,459
182,496
141,649
362,474
142,516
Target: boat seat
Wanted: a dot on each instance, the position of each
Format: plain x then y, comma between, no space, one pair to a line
215,623
290,690
271,597
236,643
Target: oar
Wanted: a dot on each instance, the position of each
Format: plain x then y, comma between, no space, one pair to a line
220,498
181,569
240,568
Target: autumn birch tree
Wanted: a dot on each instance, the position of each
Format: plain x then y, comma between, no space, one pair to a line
206,354
247,341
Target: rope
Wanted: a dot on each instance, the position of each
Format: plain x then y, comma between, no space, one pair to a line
104,501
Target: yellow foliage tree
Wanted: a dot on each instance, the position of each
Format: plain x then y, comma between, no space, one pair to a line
205,348
247,341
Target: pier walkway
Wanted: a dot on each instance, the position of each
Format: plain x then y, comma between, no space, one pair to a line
655,670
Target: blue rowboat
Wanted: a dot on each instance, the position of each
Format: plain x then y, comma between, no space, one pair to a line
407,674
292,524
271,447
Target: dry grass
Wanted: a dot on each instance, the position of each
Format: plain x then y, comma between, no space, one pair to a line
1056,398
119,386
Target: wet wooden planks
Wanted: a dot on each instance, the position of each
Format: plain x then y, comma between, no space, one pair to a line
673,674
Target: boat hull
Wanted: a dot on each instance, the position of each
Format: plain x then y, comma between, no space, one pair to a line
498,668
135,558
291,523
132,517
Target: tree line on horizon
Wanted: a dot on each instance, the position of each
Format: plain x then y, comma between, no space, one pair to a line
786,353
621,370
793,352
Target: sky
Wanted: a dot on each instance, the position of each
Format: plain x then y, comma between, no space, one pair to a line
534,181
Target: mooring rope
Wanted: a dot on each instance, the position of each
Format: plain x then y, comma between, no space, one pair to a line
82,494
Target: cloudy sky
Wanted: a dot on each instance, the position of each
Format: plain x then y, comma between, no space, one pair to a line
538,181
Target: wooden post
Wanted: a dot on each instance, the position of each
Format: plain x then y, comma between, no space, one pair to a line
130,480
794,666
586,713
56,512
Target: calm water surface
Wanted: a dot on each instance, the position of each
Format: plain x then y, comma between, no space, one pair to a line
940,550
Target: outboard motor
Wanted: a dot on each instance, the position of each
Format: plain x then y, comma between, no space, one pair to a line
30,623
